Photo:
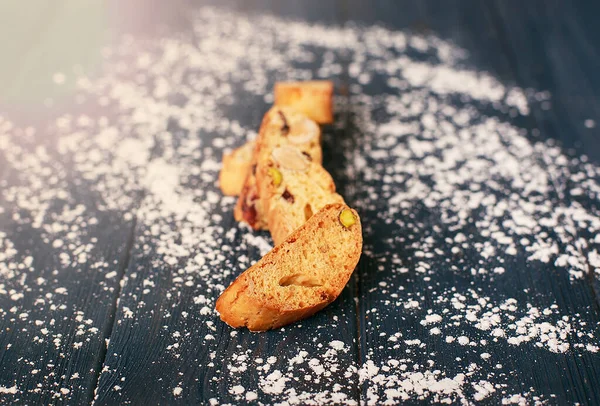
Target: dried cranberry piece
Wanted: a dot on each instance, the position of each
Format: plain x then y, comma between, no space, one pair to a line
288,196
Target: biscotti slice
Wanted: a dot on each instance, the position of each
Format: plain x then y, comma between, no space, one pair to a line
300,276
280,126
313,98
291,189
287,213
235,169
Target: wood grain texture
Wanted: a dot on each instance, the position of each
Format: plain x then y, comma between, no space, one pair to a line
166,345
56,309
144,365
550,49
564,378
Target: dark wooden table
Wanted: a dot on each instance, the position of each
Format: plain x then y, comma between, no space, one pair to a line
466,136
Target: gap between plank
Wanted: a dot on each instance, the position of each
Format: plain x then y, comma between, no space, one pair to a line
341,7
358,270
93,388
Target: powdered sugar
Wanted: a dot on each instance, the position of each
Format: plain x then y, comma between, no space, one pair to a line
12,390
450,194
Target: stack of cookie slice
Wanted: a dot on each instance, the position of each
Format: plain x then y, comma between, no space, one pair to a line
318,239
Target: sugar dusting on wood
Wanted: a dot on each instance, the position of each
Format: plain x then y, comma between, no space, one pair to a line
437,138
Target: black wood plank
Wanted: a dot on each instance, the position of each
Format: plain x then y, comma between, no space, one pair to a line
435,261
63,239
440,318
67,196
555,47
62,253
168,344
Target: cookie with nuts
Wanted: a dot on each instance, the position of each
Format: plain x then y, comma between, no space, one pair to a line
280,126
291,188
314,99
298,277
318,239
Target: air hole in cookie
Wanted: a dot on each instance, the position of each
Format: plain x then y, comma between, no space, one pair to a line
299,279
307,212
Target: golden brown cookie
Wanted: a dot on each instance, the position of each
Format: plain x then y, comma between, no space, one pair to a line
291,188
300,276
313,98
235,169
280,126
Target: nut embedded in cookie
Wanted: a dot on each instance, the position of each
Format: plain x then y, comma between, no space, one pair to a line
289,157
297,278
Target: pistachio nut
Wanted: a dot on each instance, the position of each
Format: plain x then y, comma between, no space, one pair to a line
276,175
347,218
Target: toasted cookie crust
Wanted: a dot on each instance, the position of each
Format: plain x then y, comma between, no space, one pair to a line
298,277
